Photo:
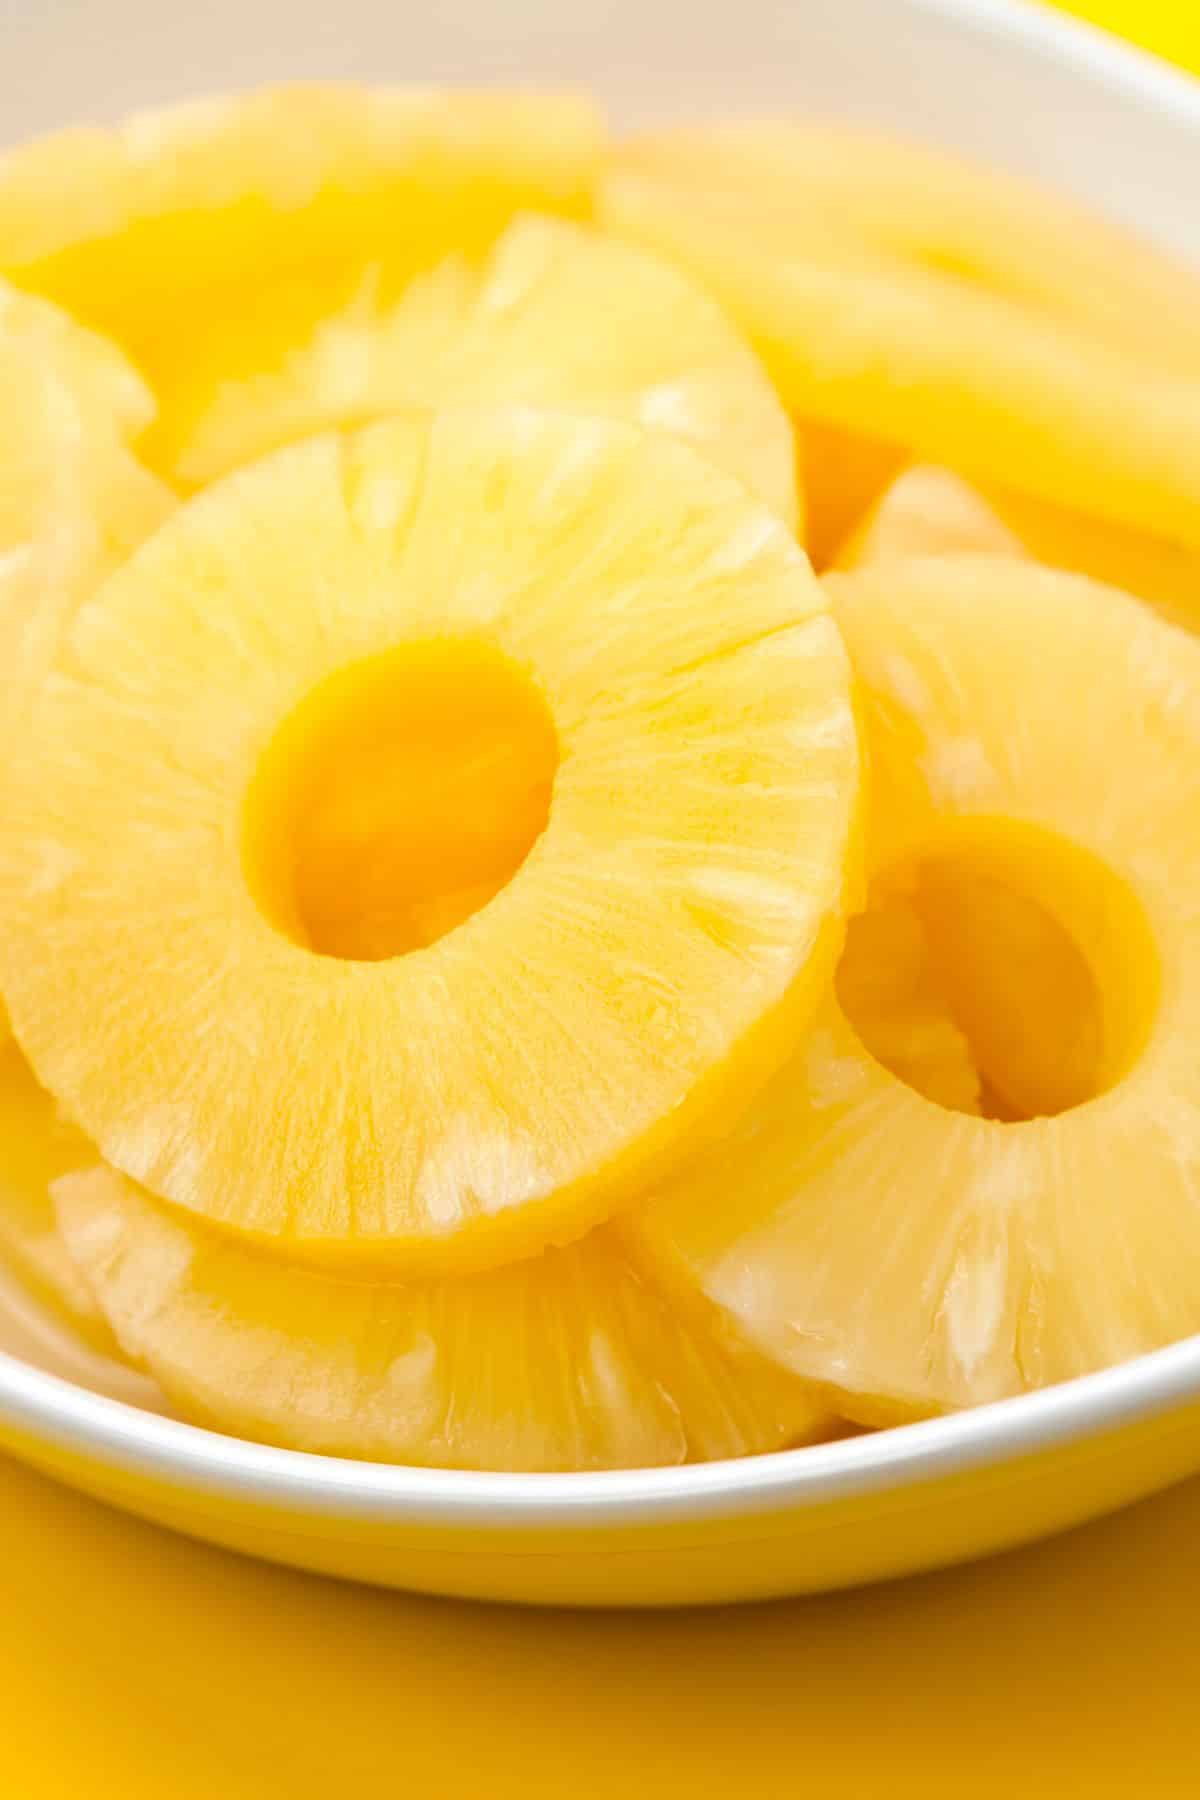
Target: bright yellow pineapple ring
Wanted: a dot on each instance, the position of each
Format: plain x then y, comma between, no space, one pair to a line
587,624
1034,735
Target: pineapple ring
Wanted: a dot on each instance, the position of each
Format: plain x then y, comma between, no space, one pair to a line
208,238
37,1147
558,316
919,965
929,511
566,1361
917,1259
109,396
645,967
1159,570
951,372
926,209
74,500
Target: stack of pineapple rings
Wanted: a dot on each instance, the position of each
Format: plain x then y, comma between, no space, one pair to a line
507,968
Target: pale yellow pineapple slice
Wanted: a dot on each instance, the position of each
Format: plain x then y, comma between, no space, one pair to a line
927,511
931,511
74,500
992,972
37,1146
1008,979
680,700
996,974
927,209
1040,734
73,404
1163,572
209,238
110,396
951,371
566,1361
558,316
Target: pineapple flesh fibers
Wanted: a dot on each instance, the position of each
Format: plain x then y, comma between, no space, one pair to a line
952,372
914,1257
208,239
558,316
565,1361
690,750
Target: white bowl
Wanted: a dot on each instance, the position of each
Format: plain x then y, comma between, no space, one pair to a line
1049,98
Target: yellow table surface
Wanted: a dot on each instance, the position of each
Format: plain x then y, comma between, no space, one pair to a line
139,1665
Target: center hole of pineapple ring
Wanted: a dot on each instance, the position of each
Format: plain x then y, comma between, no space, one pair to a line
1002,971
401,795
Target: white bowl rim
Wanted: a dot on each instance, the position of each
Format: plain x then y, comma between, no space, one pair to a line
127,1441
38,1409
1058,37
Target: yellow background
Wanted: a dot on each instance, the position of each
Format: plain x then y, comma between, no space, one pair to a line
134,1664
1172,27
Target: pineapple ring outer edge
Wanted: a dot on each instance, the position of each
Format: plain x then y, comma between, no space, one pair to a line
751,652
919,1259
